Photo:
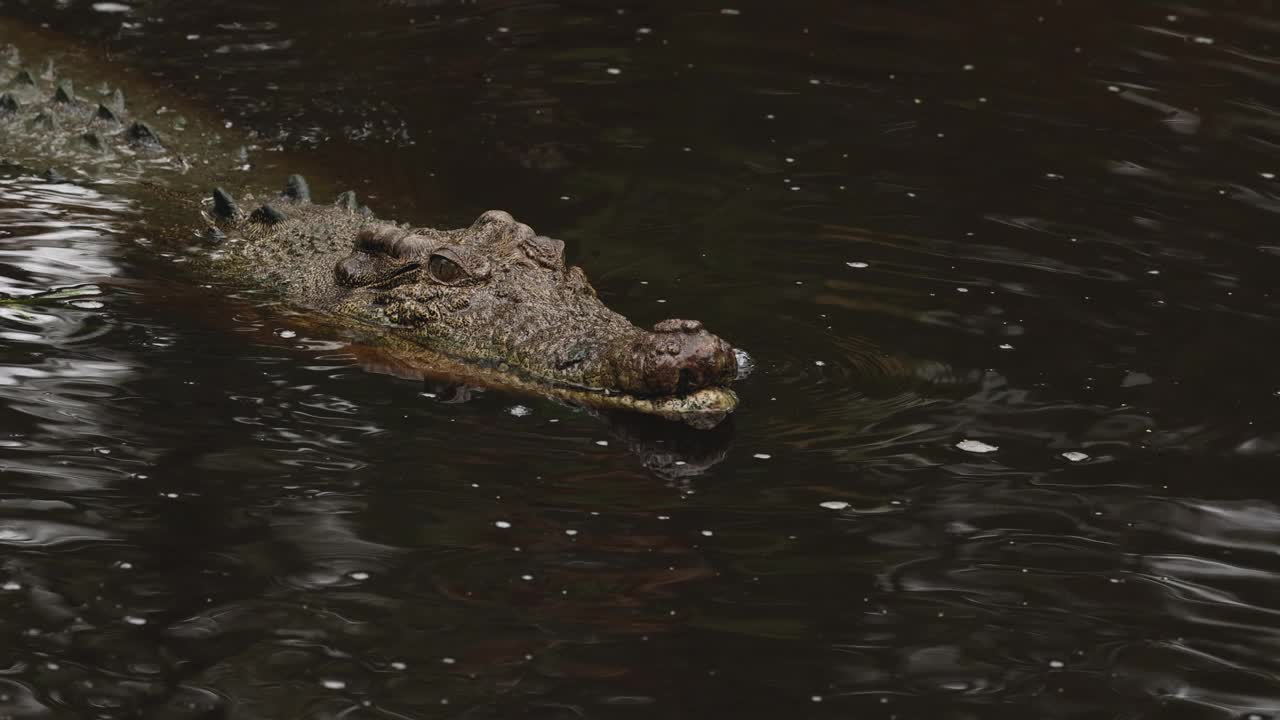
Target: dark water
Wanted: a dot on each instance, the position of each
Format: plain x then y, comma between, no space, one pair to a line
1006,267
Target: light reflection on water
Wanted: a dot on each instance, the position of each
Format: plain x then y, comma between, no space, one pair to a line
1006,272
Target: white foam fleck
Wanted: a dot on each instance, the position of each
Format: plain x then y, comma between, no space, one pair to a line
857,265
976,446
707,533
614,71
1056,664
397,665
519,411
502,524
571,532
762,456
11,585
730,11
602,443
360,576
134,620
1075,456
835,505
111,7
287,334
333,684
88,304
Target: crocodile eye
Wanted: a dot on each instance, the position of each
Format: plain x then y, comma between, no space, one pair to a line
446,271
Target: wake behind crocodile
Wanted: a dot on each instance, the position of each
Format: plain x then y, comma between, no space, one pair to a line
493,304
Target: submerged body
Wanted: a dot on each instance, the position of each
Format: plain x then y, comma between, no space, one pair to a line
493,304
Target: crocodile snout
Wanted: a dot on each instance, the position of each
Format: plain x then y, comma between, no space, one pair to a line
676,358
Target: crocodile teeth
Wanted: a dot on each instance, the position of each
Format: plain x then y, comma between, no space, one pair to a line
347,201
8,104
224,207
296,189
66,93
267,215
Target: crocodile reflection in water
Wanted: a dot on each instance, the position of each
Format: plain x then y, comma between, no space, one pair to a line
493,304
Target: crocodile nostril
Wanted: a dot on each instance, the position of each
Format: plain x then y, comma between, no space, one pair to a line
494,216
678,326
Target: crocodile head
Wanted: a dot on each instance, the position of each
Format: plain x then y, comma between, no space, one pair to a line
499,298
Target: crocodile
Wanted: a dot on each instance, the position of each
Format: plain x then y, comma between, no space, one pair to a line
493,304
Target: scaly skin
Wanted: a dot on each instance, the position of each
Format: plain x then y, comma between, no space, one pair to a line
493,304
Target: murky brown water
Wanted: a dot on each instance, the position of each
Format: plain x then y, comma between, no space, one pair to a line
1006,268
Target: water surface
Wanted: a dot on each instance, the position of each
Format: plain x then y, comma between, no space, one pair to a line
1006,269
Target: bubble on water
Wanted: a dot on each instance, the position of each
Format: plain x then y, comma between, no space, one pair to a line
11,585
502,524
644,30
1006,346
614,71
762,456
397,665
707,533
1075,456
1057,664
835,505
976,446
857,265
361,576
1268,175
730,11
602,443
570,533
111,7
820,363
816,698
519,411
448,660
333,684
286,334
526,578
134,620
